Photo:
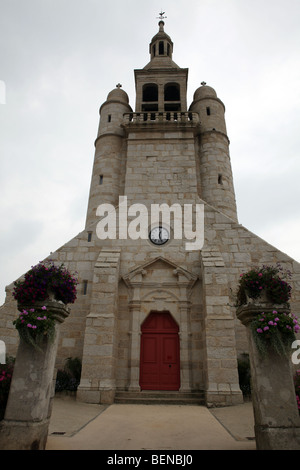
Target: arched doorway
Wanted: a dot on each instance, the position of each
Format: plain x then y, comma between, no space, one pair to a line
160,353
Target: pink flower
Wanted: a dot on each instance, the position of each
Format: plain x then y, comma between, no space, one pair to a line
259,330
44,308
266,328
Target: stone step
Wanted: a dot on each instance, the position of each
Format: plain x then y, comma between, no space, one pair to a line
148,397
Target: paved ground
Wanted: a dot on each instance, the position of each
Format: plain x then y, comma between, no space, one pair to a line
82,426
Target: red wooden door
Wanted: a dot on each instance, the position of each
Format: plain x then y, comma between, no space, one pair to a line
160,361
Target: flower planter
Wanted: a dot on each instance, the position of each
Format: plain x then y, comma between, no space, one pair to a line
42,296
46,281
264,285
272,326
277,423
28,410
37,322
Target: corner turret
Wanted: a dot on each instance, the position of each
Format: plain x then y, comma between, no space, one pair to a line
216,180
106,182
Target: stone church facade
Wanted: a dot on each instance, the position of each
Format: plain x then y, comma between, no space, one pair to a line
151,314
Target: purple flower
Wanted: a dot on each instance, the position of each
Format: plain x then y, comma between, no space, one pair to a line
266,328
44,308
259,330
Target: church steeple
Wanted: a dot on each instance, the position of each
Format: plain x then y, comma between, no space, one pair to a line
161,85
161,50
161,44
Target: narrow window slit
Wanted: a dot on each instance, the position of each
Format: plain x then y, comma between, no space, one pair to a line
85,284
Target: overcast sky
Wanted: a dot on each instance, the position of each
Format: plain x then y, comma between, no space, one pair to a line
60,58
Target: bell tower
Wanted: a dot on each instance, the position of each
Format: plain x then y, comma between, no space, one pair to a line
161,85
163,152
161,164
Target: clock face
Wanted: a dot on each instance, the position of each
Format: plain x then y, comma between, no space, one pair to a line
159,235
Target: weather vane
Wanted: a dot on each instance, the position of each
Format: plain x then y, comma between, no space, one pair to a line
161,15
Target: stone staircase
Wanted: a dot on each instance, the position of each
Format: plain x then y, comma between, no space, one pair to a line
153,397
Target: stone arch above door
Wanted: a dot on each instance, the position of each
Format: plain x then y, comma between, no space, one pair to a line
159,273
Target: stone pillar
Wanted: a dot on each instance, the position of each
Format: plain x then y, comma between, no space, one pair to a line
221,371
98,384
185,347
135,346
28,410
277,422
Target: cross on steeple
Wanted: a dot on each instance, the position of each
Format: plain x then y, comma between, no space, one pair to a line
119,85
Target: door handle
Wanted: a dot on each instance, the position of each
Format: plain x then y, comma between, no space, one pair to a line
170,365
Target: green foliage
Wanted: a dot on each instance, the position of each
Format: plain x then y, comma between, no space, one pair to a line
275,331
73,366
34,325
244,374
268,279
6,372
68,378
43,278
